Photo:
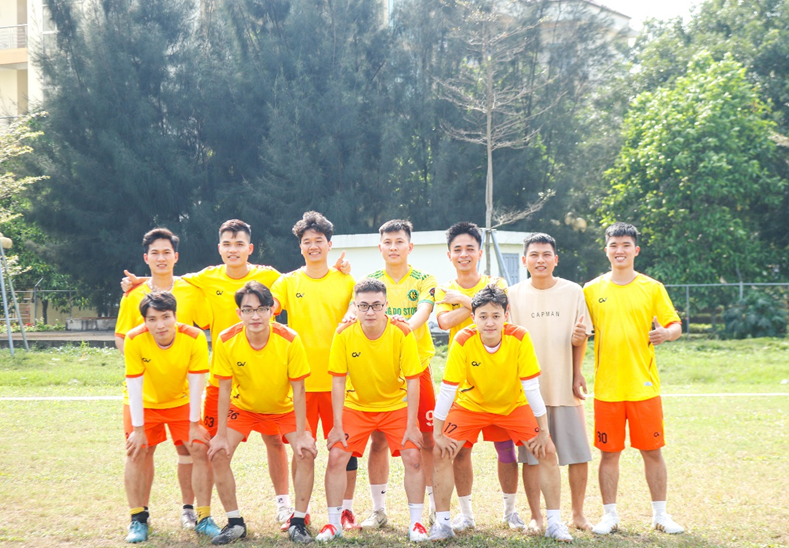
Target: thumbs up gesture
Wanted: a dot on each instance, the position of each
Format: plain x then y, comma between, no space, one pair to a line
343,265
659,334
579,332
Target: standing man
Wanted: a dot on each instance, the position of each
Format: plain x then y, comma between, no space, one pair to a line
161,254
165,366
261,367
376,360
553,310
632,314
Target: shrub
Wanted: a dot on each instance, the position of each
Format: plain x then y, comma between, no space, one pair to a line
758,314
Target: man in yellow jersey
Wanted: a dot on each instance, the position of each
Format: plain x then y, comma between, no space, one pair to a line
161,254
632,314
316,297
494,366
166,362
453,312
411,295
376,368
261,367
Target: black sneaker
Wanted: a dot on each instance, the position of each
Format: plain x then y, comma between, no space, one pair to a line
299,533
230,533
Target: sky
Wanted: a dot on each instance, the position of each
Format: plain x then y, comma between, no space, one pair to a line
644,9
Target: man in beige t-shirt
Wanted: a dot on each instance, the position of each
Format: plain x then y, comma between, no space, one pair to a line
554,311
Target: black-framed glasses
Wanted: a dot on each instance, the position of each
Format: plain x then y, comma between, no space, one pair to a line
249,312
364,307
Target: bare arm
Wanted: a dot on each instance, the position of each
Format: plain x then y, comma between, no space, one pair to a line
579,382
421,315
337,433
119,343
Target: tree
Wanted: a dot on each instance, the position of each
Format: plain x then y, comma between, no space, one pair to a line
15,142
696,173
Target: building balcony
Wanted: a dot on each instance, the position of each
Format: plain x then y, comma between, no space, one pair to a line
13,47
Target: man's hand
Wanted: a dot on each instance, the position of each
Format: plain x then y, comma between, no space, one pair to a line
343,265
452,296
136,442
659,334
198,432
413,435
129,281
445,443
218,444
398,318
579,385
304,442
579,332
350,317
337,435
541,445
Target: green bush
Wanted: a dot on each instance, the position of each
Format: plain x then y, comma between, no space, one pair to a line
759,314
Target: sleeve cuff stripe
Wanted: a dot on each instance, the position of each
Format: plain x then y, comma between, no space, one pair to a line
134,376
413,376
200,372
333,374
299,378
450,383
530,377
222,377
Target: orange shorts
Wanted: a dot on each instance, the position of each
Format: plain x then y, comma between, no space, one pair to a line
464,425
210,405
358,426
644,417
176,419
245,422
319,408
427,401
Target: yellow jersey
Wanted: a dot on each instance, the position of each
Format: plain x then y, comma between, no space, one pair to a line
491,382
378,368
441,292
625,368
261,378
404,297
165,370
220,293
192,308
315,308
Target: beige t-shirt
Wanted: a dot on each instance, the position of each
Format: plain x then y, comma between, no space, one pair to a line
549,315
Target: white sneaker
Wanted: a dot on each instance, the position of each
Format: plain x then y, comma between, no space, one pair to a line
329,532
188,519
665,524
418,533
513,521
284,513
441,532
558,531
608,524
375,520
462,522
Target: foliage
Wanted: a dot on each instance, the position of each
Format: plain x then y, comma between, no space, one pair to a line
758,314
15,141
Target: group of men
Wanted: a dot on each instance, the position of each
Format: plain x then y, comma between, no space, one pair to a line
355,358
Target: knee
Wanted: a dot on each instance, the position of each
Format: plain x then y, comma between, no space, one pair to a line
378,444
338,460
412,459
653,456
609,457
463,456
199,452
273,442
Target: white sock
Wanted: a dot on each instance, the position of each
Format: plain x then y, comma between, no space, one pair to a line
465,506
658,508
509,502
283,501
335,512
431,498
233,514
297,514
378,493
443,518
347,504
416,513
554,516
610,509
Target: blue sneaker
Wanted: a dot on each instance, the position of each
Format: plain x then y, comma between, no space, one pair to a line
138,532
207,527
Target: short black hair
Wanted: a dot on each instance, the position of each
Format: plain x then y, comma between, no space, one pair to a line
464,227
538,238
312,220
369,285
257,289
396,225
160,234
621,229
158,300
490,294
234,226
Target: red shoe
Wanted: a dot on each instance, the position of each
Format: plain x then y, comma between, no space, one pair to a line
348,521
285,526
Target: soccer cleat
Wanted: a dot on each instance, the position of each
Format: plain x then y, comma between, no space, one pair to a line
300,534
138,532
513,521
207,528
376,520
188,519
558,531
348,521
418,533
462,522
284,514
608,524
441,532
329,532
665,524
230,533
285,527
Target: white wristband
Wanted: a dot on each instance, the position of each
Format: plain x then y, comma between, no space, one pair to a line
446,396
136,407
196,388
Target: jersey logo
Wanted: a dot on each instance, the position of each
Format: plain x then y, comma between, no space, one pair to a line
241,364
219,292
299,295
146,360
601,300
413,295
657,434
475,364
432,291
355,354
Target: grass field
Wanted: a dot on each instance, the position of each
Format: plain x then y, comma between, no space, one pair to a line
61,462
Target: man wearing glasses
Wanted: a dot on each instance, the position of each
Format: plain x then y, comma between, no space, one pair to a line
261,367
